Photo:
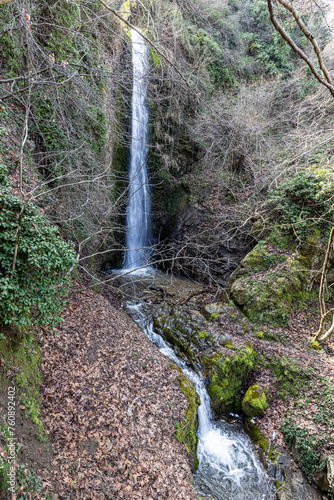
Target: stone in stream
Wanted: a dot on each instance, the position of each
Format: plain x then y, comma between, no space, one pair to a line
255,401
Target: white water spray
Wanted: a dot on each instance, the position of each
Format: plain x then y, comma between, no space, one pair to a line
138,223
228,466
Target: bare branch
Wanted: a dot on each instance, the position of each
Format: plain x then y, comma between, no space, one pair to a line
327,81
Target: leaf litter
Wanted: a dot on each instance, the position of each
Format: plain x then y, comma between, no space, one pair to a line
110,403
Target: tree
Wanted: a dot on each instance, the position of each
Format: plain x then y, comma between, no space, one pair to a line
322,74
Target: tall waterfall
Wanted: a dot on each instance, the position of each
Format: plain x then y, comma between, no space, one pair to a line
138,223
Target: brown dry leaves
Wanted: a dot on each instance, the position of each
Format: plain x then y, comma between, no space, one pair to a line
110,403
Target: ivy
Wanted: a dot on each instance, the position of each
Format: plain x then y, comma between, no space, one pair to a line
36,291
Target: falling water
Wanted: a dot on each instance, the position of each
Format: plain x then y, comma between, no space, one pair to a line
138,226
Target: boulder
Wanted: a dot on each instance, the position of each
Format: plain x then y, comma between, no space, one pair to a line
227,376
267,281
255,401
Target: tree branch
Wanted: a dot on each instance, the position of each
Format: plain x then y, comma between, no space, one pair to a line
192,90
327,81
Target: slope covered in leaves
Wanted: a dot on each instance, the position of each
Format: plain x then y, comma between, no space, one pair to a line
110,403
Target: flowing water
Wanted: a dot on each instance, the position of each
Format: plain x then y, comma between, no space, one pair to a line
138,223
228,466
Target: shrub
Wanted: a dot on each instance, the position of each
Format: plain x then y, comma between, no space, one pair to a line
304,203
35,292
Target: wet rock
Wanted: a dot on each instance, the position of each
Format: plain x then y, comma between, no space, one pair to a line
325,479
186,330
255,401
291,483
186,431
227,376
296,487
212,311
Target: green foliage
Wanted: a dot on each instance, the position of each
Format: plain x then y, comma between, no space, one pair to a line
29,481
35,291
303,203
264,43
221,74
4,461
273,56
308,446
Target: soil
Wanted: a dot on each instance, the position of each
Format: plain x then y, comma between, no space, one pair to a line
110,403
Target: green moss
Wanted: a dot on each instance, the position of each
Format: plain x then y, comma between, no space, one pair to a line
187,432
22,352
229,345
256,435
291,378
268,295
203,335
255,401
228,376
315,345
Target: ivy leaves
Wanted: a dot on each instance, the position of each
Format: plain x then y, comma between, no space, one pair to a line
36,291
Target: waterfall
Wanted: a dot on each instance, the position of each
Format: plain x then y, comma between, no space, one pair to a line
138,223
228,467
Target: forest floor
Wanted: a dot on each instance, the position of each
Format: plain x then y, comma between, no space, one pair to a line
110,403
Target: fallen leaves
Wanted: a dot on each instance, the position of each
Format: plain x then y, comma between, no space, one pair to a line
104,401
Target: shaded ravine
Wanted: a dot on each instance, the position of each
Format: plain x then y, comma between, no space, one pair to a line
228,466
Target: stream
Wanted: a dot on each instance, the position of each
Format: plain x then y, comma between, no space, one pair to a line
228,465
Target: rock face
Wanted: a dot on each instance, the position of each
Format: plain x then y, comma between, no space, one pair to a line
186,433
291,483
227,377
267,281
195,340
255,401
188,331
325,479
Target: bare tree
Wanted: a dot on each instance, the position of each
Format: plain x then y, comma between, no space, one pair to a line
322,74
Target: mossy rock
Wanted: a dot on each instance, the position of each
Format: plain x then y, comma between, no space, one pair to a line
227,377
187,432
255,401
213,311
268,294
187,331
22,351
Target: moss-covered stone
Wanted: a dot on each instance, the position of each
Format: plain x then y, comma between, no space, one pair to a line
187,432
187,331
227,377
266,291
213,311
22,352
257,436
255,401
